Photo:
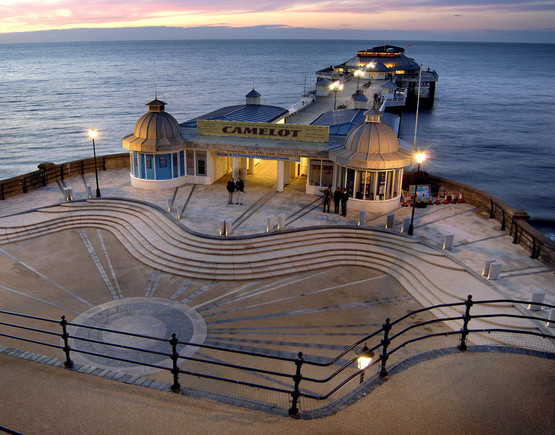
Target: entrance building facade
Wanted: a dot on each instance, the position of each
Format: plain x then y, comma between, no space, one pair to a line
368,162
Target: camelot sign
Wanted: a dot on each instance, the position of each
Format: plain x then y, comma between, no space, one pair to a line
312,133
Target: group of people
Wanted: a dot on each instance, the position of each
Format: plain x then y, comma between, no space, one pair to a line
339,197
235,186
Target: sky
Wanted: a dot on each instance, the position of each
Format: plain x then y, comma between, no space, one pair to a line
514,21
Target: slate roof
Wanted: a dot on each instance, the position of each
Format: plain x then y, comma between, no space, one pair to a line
341,122
241,112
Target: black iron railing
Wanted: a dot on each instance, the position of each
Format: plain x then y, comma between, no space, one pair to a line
394,342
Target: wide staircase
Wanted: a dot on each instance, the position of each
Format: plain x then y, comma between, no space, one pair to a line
155,238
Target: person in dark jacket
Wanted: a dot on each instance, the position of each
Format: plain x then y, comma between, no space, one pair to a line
344,199
327,198
337,199
230,188
240,186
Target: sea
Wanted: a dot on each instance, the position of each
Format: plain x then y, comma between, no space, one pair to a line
492,125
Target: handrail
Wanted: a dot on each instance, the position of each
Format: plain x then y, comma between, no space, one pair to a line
342,377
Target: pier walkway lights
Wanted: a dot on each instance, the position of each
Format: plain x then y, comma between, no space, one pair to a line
92,135
364,359
419,157
336,87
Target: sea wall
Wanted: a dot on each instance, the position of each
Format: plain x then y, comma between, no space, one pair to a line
51,172
512,220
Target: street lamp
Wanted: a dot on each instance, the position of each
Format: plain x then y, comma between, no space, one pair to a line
419,157
358,74
336,87
364,359
92,135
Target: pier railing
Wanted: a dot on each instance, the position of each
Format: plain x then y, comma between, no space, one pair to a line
300,385
50,172
512,221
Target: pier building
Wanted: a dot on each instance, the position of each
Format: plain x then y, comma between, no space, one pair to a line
363,154
387,62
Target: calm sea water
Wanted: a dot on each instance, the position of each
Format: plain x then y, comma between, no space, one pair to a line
491,125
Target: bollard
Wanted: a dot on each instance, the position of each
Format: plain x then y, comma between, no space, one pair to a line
389,221
269,224
448,242
178,209
361,217
228,227
89,192
406,224
494,270
66,193
222,227
70,192
281,222
551,321
169,204
487,264
537,298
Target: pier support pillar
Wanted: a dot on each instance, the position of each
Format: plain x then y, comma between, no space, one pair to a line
244,171
280,175
234,167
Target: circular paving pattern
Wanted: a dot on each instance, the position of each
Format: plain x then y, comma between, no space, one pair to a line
153,317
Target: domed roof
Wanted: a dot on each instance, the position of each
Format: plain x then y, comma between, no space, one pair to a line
155,131
371,145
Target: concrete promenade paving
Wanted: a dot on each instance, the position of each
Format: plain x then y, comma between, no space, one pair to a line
457,394
76,270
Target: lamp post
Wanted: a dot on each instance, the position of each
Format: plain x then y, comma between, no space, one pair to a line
336,87
419,157
92,135
364,359
358,74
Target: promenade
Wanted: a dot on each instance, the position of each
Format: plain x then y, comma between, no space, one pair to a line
106,255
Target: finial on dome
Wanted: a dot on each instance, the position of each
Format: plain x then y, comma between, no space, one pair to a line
373,115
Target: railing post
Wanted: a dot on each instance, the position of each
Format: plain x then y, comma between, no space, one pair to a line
175,370
67,347
466,318
294,410
492,209
515,238
502,220
385,344
534,247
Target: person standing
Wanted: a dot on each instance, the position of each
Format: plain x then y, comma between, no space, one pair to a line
327,198
337,199
344,199
240,186
230,188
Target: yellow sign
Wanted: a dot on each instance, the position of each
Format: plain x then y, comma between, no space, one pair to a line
312,133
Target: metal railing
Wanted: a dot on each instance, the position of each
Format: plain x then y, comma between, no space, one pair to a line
315,382
523,234
512,221
49,173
